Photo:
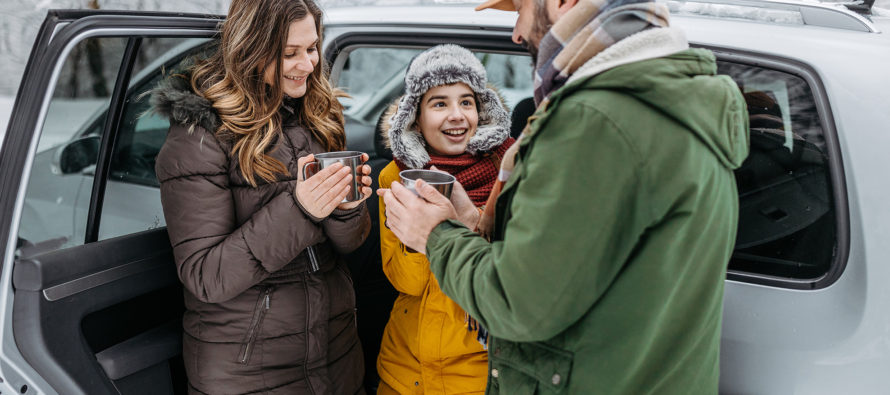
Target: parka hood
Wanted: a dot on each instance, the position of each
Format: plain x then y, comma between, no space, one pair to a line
496,131
443,65
175,99
674,84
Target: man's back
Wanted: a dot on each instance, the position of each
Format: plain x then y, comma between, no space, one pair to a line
612,235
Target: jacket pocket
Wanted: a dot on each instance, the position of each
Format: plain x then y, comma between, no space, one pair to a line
256,322
529,368
345,272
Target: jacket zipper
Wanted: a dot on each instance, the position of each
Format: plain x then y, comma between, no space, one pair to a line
259,312
313,260
308,317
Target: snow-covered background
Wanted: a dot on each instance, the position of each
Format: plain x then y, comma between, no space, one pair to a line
20,20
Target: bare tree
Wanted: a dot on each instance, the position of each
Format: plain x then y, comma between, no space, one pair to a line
95,60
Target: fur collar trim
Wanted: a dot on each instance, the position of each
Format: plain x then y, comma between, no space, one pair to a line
174,99
421,153
648,44
443,65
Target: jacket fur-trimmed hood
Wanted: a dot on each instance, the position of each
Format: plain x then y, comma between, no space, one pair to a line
175,99
386,126
443,65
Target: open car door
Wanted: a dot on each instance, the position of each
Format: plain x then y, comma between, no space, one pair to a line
91,303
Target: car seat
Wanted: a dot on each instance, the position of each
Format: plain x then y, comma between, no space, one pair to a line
374,295
783,192
519,117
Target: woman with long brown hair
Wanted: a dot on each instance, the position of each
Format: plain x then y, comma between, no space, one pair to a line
269,302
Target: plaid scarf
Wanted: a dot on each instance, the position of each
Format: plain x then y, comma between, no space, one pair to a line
587,29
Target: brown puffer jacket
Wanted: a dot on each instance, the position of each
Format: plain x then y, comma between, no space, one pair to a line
256,320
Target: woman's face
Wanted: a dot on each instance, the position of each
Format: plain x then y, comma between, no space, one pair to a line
448,118
298,59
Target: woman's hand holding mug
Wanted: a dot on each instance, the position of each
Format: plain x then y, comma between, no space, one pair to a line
321,193
330,185
364,180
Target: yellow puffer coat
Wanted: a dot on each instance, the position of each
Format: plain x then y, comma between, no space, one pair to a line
426,347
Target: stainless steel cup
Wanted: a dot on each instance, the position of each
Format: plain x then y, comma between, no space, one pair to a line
442,181
350,159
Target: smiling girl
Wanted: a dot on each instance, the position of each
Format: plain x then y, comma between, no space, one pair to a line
448,119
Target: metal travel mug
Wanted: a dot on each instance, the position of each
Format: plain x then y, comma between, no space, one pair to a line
350,159
442,181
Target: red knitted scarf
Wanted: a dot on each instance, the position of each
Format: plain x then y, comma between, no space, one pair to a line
476,173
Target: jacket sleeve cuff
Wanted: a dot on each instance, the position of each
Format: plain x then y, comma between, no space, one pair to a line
439,233
347,214
303,209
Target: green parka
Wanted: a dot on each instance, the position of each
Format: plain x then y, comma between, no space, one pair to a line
612,236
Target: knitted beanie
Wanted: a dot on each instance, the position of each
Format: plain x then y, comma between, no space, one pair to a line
444,65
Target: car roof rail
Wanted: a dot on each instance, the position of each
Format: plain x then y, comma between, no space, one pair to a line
859,6
833,15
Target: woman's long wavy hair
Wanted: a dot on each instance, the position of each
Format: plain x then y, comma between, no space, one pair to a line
232,79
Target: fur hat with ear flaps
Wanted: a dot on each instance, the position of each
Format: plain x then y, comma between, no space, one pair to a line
444,65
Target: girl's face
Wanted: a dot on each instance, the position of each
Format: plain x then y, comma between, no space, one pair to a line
448,118
298,59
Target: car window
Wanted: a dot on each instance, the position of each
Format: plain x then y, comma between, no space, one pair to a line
61,177
132,200
371,76
374,78
787,218
61,183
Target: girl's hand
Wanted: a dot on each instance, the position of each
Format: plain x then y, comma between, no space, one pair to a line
467,213
321,193
365,185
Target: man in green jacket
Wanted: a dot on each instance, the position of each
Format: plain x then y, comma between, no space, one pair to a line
612,234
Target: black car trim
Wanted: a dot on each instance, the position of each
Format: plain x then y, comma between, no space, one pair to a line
11,159
108,138
835,166
495,42
31,274
414,26
143,351
108,276
44,328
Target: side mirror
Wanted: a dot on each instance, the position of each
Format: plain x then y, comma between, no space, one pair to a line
77,155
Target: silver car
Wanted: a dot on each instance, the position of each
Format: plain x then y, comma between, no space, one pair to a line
90,302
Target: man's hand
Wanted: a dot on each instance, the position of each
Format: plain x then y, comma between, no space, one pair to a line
412,218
